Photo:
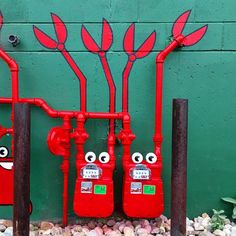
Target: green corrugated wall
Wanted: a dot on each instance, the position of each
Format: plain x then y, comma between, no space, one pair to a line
204,73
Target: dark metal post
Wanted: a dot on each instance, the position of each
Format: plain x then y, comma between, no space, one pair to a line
179,167
21,169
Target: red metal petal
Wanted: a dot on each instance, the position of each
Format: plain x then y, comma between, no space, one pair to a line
147,46
179,24
0,19
128,42
195,37
88,41
44,39
107,36
60,28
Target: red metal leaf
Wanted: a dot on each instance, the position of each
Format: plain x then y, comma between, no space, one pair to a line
147,46
195,37
60,28
107,36
88,41
179,24
128,42
0,19
44,39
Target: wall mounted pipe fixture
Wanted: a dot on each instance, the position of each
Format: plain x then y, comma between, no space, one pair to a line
94,184
142,178
13,40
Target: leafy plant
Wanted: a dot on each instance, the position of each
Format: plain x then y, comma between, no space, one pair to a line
217,220
233,201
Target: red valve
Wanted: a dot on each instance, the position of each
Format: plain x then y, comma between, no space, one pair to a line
126,136
58,142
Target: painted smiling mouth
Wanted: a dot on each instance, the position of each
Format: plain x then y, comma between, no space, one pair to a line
91,171
6,164
140,172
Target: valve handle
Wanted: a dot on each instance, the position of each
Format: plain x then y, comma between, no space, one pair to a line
58,141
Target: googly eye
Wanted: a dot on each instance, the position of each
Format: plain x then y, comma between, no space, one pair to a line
104,157
151,158
90,157
137,157
4,152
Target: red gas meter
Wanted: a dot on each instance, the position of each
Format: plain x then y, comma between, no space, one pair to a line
94,185
6,177
142,187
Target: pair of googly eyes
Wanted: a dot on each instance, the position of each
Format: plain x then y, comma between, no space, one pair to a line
103,157
151,158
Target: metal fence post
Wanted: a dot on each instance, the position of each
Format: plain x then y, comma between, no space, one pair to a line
179,167
21,169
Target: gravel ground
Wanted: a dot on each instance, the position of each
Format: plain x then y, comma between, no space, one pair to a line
117,226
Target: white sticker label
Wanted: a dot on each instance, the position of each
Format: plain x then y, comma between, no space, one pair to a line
141,174
86,187
90,174
136,188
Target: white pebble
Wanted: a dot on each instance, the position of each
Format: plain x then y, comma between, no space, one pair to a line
155,230
197,226
111,223
92,233
128,231
227,232
2,228
121,227
233,231
219,232
9,231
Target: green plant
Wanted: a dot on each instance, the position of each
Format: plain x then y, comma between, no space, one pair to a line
233,201
217,220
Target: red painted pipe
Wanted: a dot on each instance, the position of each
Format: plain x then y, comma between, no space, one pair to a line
80,75
112,103
80,135
15,87
125,78
14,74
160,59
65,169
60,114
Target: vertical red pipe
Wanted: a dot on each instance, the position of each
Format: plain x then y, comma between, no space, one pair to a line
125,89
80,75
112,104
65,169
159,84
15,87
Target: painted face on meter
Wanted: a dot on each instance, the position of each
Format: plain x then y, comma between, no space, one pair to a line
93,170
141,171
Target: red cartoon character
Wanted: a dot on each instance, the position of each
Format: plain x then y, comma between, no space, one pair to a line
6,177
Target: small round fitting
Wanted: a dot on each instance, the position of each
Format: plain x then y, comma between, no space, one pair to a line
14,40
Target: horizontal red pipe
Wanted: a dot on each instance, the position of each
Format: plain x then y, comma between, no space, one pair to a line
72,114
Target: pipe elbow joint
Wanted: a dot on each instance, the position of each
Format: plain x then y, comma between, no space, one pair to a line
13,65
160,58
126,118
